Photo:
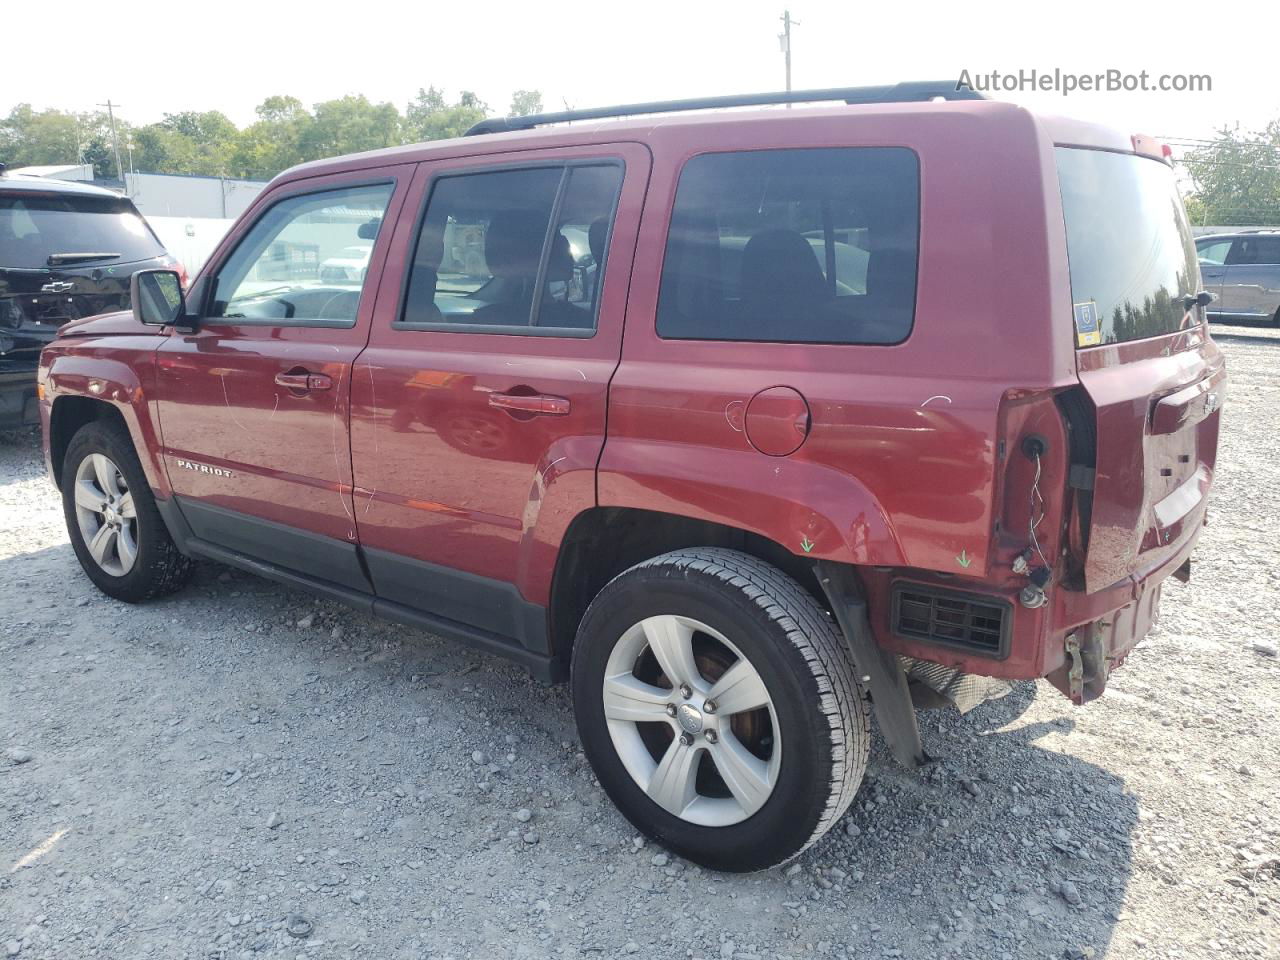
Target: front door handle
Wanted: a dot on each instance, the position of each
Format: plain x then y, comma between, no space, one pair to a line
303,381
536,403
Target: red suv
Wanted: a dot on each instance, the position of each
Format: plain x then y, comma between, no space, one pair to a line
745,422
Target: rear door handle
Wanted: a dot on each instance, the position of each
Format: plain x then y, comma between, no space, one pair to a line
536,403
304,381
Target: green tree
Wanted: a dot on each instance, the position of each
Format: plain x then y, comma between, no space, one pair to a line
30,137
274,142
350,124
524,103
429,117
1236,178
159,149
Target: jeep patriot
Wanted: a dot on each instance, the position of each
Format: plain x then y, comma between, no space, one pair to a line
747,423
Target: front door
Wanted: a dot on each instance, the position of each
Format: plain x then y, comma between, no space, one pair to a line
253,405
478,409
1212,255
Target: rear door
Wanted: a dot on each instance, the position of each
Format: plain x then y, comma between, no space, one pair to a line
253,405
478,409
1251,285
1155,378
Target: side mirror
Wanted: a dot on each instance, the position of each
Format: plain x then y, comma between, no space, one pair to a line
157,297
369,229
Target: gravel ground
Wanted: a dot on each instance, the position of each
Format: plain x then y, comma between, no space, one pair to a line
241,771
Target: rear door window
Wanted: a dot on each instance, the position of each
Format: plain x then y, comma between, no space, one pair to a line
516,251
50,230
793,246
1129,246
1255,250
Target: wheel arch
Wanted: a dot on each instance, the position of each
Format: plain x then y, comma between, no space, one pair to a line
601,542
83,389
68,415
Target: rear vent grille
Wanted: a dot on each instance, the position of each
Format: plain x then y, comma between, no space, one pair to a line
952,619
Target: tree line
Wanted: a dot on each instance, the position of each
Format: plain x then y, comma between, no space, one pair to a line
1235,177
209,144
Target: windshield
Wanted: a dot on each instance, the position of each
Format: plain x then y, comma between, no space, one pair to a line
1129,246
35,228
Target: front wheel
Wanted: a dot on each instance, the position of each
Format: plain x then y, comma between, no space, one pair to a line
718,707
115,528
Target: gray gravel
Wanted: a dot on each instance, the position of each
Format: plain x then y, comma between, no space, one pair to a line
241,771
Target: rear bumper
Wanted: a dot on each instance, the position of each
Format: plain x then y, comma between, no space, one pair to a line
1108,624
18,406
1090,633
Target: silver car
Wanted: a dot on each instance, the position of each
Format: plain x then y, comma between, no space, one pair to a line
1242,271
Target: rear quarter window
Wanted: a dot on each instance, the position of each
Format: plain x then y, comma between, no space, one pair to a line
793,246
34,228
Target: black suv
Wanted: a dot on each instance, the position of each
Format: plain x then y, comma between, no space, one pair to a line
67,250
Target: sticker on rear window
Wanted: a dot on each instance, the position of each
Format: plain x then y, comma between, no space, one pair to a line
1088,333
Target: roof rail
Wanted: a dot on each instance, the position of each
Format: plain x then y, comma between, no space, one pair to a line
908,92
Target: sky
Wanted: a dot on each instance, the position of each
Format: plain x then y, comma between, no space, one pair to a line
237,53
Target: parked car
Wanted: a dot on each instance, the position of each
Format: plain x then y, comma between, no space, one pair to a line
914,397
67,251
348,266
1242,271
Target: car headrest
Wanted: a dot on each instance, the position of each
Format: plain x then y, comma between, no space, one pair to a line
781,265
597,233
513,243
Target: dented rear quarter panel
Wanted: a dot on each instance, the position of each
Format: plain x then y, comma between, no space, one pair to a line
899,468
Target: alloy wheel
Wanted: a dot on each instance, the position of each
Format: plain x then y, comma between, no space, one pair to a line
106,515
692,721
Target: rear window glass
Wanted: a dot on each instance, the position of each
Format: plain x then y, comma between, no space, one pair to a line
796,246
1255,250
1129,246
34,229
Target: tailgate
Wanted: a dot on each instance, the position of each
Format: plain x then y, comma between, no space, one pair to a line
1154,379
1156,421
35,303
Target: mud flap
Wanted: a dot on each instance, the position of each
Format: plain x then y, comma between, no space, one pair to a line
890,694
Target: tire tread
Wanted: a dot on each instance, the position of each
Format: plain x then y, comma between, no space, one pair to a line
816,637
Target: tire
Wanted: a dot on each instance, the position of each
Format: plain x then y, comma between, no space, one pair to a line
151,566
808,746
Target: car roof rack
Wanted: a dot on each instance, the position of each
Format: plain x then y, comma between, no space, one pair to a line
913,91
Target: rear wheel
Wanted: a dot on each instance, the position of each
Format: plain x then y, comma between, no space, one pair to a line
114,526
718,707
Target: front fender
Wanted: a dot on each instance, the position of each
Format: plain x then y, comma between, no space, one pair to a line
122,386
770,496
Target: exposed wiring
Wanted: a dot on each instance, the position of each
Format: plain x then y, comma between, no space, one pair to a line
1037,504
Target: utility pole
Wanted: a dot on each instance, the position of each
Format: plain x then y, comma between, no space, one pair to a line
784,38
115,143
